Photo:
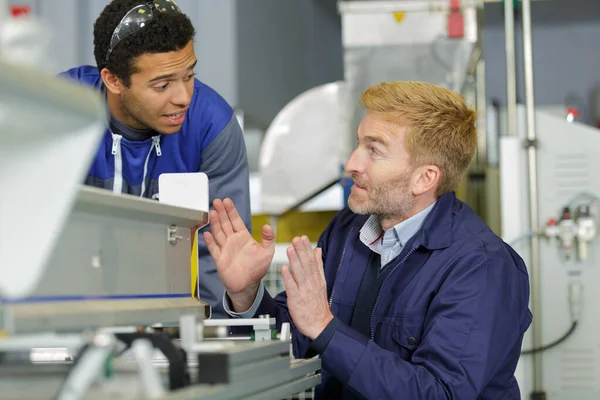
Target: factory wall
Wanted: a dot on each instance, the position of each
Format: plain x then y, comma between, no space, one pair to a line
284,48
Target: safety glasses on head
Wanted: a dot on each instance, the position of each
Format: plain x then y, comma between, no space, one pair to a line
137,18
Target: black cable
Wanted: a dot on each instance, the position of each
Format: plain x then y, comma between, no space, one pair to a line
553,344
178,372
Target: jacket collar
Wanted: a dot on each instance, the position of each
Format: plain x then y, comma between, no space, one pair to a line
437,229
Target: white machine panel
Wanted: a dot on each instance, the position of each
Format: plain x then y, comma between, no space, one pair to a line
567,161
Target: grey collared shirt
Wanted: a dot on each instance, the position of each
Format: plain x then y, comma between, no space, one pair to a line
390,243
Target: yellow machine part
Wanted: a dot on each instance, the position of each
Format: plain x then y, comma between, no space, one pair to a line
295,223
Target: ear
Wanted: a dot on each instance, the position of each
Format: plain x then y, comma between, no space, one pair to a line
111,81
426,178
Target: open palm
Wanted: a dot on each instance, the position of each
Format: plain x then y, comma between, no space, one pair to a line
241,261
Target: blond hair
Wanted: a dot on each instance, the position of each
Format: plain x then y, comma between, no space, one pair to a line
441,128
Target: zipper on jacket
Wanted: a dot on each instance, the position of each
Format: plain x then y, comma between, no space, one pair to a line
116,152
340,265
155,145
383,286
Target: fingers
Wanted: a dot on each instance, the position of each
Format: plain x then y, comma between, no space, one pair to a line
213,249
297,270
216,229
290,285
223,217
319,259
268,237
305,254
236,221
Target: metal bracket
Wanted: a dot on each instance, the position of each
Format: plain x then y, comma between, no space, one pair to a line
172,236
261,326
527,143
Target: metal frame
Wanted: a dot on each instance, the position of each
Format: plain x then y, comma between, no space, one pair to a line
103,202
219,370
531,147
107,245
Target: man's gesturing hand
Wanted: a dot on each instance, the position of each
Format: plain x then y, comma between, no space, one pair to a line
306,288
241,261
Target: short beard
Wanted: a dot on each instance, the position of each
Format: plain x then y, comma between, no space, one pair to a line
391,200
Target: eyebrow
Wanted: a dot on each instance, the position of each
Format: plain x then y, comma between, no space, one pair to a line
376,139
169,76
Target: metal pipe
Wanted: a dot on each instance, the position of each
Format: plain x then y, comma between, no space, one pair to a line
533,196
481,113
511,74
480,93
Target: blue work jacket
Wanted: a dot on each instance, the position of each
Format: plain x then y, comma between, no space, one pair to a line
449,318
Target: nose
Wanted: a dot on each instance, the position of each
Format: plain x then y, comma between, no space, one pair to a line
182,94
353,165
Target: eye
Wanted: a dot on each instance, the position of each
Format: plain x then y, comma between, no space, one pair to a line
190,76
161,88
371,150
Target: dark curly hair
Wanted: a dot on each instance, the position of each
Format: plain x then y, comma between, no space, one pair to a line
164,33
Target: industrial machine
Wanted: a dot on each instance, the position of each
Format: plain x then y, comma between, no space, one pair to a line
96,288
565,355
